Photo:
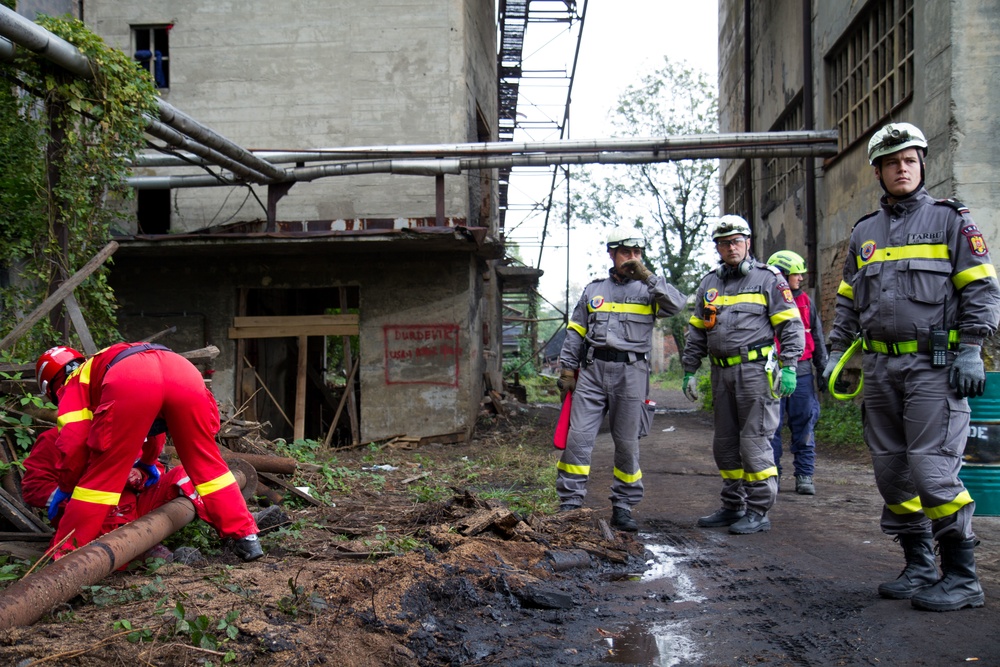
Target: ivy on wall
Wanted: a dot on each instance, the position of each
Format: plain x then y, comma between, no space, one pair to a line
65,146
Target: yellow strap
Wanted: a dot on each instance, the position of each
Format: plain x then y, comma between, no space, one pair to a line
916,251
906,507
627,478
980,272
752,355
845,289
941,511
612,307
572,469
732,474
573,326
96,497
760,476
220,482
850,352
75,416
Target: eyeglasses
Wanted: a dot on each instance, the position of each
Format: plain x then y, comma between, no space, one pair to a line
730,243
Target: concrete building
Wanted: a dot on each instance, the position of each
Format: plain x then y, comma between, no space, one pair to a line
399,269
853,66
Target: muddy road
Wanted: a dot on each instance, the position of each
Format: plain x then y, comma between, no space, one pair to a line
802,594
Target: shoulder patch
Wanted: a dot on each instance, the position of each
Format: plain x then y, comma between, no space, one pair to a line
863,218
786,292
974,237
952,203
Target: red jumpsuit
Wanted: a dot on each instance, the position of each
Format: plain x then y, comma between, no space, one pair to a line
41,477
106,408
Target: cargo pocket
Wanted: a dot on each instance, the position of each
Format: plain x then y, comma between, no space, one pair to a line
646,418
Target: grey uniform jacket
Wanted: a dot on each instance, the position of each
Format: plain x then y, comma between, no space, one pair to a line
751,311
914,266
618,314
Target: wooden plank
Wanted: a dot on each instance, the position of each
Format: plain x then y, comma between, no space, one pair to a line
352,407
299,429
57,296
80,324
343,399
294,320
294,331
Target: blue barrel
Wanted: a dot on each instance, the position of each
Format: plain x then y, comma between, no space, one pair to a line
981,467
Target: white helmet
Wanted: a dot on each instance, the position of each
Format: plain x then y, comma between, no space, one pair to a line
893,138
627,237
729,225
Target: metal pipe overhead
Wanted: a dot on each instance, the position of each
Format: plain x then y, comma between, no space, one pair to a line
509,148
6,49
437,167
33,37
205,155
37,39
182,122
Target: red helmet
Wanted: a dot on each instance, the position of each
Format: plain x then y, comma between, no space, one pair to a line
53,366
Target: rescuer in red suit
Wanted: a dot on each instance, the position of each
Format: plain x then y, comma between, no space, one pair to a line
41,479
107,406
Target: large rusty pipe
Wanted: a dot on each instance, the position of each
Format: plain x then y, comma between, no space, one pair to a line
25,601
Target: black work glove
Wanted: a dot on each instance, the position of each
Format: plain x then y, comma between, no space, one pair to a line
968,375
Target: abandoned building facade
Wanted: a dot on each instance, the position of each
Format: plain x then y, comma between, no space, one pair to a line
855,66
385,283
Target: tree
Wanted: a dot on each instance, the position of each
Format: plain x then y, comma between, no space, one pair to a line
670,203
66,145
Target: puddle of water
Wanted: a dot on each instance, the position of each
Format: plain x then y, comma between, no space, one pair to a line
663,644
665,565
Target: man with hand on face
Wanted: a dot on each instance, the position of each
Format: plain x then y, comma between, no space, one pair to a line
740,309
919,286
605,363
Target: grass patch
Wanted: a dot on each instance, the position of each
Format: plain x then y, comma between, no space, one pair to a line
839,425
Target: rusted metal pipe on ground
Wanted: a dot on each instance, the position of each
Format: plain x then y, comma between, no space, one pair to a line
279,465
27,600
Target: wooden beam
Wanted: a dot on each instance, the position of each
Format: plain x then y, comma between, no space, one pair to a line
57,297
80,324
299,430
295,325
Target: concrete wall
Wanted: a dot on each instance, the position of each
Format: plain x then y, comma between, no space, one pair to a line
956,50
323,73
421,345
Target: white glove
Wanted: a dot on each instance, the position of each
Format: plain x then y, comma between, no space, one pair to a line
690,386
830,365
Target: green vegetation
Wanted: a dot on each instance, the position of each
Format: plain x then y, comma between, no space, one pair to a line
840,425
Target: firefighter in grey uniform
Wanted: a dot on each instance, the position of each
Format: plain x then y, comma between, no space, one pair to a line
740,308
605,363
921,293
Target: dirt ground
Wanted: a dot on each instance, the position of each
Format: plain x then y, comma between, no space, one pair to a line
552,590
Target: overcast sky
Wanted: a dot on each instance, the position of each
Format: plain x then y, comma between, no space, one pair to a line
622,41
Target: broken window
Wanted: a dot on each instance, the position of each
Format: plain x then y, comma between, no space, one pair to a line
870,70
151,49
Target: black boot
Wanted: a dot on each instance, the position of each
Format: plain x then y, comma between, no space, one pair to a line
621,519
959,586
920,571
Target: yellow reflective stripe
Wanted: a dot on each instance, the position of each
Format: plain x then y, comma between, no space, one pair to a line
697,322
627,478
220,482
896,253
760,476
941,511
979,272
907,507
573,326
74,417
732,474
96,497
845,289
572,469
612,307
784,316
729,300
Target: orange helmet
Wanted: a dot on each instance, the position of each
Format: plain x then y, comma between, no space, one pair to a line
53,367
